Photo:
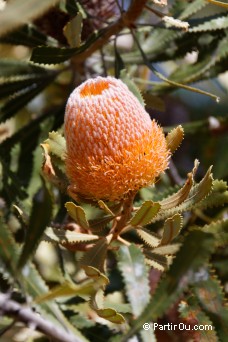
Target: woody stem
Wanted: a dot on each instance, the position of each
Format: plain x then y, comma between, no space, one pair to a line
124,217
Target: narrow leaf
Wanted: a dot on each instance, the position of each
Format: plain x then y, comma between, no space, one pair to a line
8,248
39,219
148,237
104,206
132,87
66,236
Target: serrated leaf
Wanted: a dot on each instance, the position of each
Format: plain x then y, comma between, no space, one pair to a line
174,138
52,55
212,300
171,229
217,197
72,30
11,67
21,98
132,87
66,236
19,12
219,3
10,85
153,102
197,194
178,197
157,261
145,213
39,219
28,35
220,23
96,255
78,214
167,249
190,309
220,231
57,144
194,252
192,8
148,237
131,264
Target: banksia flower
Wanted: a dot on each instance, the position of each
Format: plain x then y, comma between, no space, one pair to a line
113,147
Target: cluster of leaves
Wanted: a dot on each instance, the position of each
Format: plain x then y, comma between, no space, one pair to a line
102,282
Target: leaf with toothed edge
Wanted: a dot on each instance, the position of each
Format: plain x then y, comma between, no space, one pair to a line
145,214
66,236
174,138
77,213
148,237
171,229
56,144
95,256
194,252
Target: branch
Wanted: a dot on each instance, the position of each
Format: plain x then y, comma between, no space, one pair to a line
127,19
29,317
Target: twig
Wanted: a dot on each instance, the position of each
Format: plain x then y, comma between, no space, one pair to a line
127,19
29,317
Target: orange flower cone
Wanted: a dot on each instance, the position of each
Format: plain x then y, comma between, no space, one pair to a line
113,147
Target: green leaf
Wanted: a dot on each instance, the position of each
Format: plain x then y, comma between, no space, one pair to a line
192,8
39,219
157,261
96,255
220,23
194,252
66,289
66,236
171,229
119,64
8,249
167,249
96,303
131,264
174,138
212,300
28,35
219,3
78,214
21,98
145,214
56,144
19,12
148,237
104,206
72,31
52,55
197,194
180,196
217,197
190,309
132,87
9,68
220,231
153,102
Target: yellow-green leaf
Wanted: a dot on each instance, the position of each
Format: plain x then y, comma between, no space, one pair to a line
145,213
148,237
72,31
104,206
57,144
78,214
174,138
67,236
172,227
